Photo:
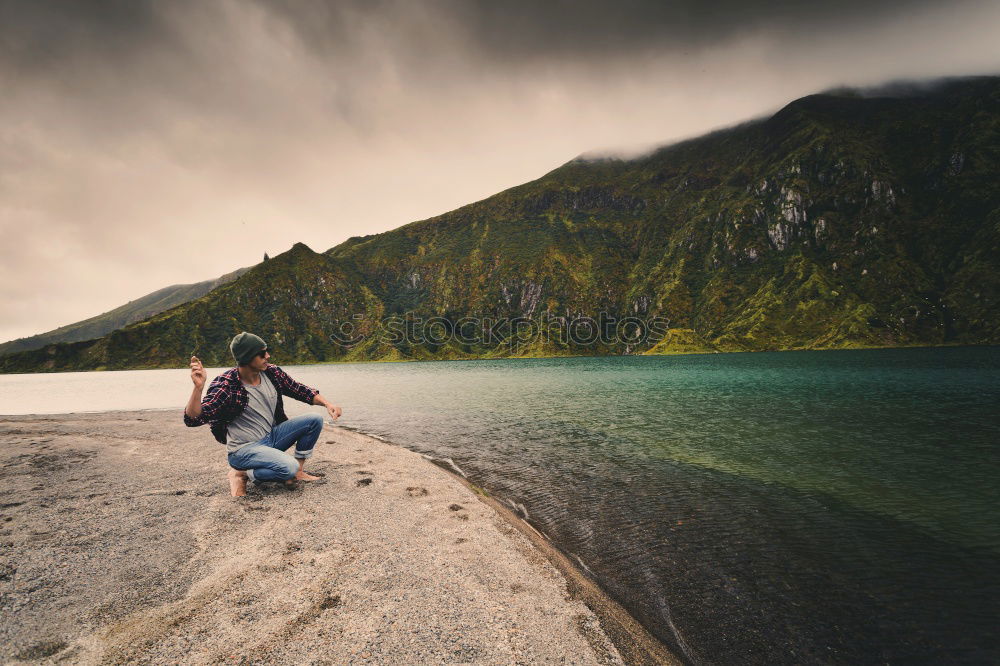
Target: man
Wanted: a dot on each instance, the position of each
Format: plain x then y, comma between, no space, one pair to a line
246,413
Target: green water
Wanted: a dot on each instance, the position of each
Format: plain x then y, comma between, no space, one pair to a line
901,433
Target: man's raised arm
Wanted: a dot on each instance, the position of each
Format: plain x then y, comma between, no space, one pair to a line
200,411
193,409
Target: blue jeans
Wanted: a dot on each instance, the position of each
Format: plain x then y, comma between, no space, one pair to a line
266,460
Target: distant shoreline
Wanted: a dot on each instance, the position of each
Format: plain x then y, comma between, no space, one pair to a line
181,365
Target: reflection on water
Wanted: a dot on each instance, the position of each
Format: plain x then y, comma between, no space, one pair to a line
794,507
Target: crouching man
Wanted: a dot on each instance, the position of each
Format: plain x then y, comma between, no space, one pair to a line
246,413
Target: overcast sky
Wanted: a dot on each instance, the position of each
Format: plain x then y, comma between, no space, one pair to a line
146,144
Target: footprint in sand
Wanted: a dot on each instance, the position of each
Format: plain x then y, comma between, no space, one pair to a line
255,496
330,602
42,650
363,482
455,507
416,491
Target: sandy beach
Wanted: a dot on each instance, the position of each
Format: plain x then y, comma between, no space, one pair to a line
121,543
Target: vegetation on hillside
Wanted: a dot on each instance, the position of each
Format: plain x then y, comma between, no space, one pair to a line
841,221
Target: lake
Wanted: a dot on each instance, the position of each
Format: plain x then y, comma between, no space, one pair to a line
786,507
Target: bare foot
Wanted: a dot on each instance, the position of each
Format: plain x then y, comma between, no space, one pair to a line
237,482
305,476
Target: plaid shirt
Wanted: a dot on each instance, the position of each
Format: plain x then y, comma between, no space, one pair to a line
226,399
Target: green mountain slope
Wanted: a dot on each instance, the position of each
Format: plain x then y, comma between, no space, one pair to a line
294,297
841,221
133,311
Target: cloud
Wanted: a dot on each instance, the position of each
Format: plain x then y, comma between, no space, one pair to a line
150,143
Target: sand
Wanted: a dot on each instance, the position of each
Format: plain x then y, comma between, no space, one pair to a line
121,543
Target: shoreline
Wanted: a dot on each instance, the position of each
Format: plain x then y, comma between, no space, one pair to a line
944,345
123,544
634,642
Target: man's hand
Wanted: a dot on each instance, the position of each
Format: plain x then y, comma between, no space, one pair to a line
198,374
333,409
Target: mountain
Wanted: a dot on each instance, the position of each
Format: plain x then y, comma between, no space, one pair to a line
133,311
843,220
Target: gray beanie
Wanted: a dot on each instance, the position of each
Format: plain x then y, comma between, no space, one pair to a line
245,346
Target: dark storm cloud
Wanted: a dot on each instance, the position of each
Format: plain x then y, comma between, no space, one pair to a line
514,31
40,33
595,28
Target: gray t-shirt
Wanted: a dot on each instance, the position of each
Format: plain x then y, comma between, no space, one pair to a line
257,420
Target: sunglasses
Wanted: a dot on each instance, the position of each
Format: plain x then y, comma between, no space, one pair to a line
262,353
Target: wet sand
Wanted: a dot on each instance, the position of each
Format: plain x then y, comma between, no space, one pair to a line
121,543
